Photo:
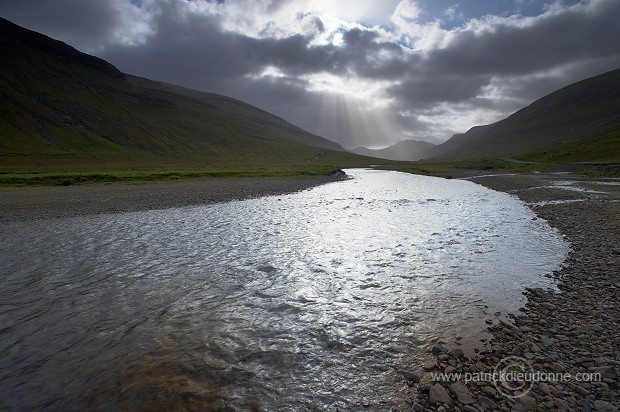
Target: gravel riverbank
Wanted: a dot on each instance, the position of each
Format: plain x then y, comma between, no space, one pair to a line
54,202
562,352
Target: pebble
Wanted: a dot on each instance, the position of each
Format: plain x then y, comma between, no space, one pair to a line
486,402
604,406
411,376
439,395
462,394
429,365
436,349
544,388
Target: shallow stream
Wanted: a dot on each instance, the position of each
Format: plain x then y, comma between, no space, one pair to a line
314,300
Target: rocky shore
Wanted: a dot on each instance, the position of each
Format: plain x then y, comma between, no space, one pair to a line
562,350
54,202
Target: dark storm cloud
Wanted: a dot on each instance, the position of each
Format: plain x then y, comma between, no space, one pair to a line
275,92
369,57
199,43
553,40
194,51
420,91
191,50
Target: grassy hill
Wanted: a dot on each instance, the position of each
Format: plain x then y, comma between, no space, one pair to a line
63,110
578,123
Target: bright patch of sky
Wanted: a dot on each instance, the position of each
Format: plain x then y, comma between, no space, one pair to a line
453,13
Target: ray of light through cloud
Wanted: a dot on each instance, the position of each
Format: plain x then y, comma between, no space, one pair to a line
362,72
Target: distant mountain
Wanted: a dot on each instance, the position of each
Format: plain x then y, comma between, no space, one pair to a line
578,122
455,142
403,150
57,100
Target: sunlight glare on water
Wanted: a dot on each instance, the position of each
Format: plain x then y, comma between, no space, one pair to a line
317,299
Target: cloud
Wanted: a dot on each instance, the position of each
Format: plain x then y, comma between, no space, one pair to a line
424,91
523,45
330,68
452,12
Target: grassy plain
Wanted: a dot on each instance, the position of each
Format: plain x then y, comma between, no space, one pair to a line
66,170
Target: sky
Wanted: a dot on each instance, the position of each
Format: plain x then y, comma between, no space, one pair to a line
361,73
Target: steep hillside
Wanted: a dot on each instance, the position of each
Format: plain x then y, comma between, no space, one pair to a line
59,101
573,123
403,151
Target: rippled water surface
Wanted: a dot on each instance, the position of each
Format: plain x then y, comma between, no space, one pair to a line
314,300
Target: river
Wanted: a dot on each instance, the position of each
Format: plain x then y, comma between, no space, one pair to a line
314,300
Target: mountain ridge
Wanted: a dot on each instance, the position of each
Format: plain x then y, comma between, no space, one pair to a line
581,117
456,141
60,101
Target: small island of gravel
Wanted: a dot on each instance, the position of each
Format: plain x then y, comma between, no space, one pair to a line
19,204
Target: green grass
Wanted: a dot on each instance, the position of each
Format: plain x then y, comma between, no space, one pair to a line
602,148
466,168
69,178
23,171
604,394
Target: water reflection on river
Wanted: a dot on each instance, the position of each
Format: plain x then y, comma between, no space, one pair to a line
306,301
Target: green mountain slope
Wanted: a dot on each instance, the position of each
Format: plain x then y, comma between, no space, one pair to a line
580,122
59,101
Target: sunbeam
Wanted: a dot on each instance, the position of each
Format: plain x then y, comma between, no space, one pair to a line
357,122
